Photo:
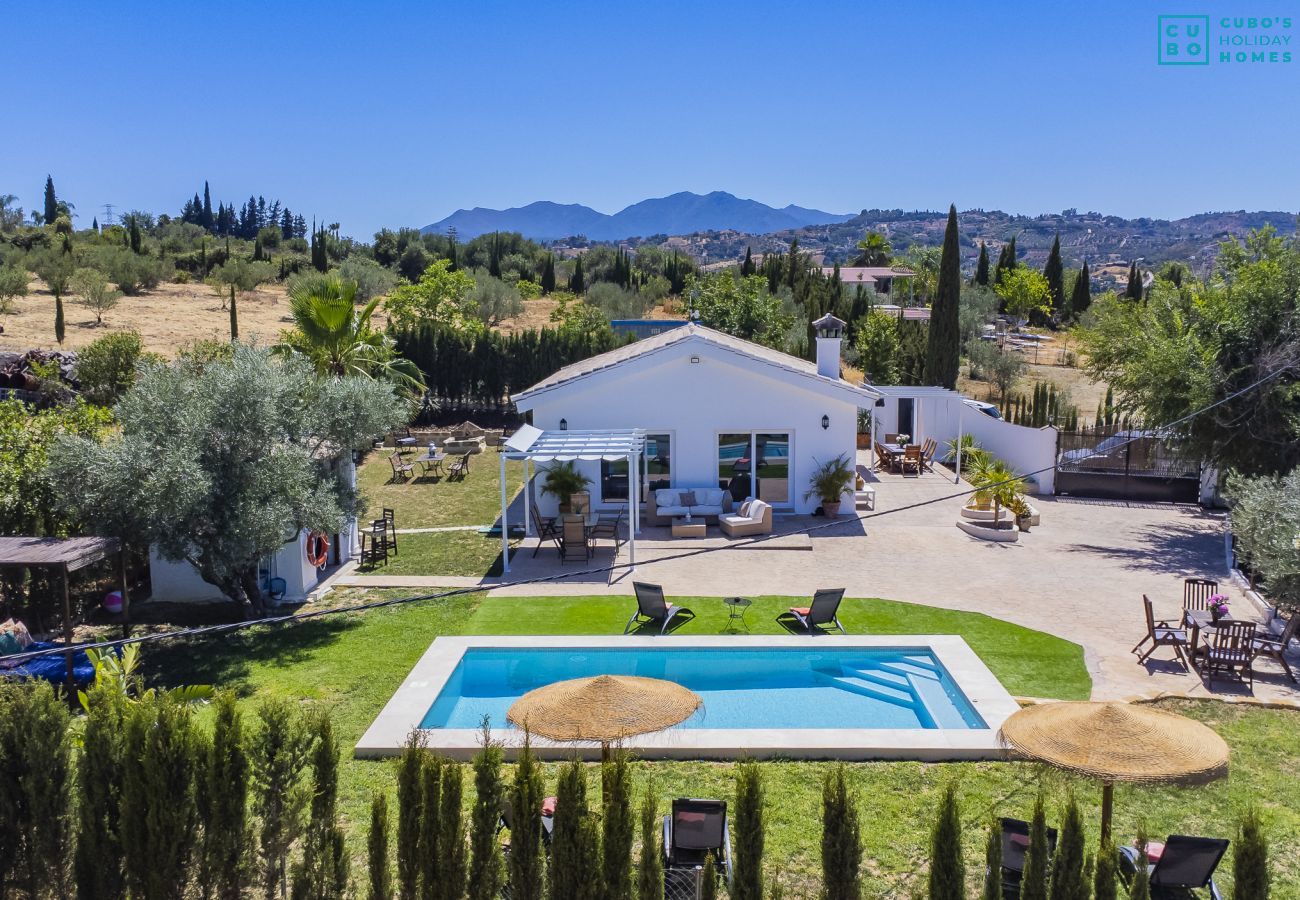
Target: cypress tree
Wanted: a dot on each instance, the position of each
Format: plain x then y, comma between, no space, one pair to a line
134,234
525,861
323,872
410,808
94,224
380,876
1068,881
1110,406
1001,265
548,274
947,869
226,827
277,758
234,316
1033,883
650,867
982,266
51,201
97,865
1133,291
993,863
841,838
709,879
747,823
943,348
617,827
158,809
747,267
1081,295
1054,272
206,221
59,329
1140,889
452,850
486,876
1104,881
567,875
576,283
430,826
1250,859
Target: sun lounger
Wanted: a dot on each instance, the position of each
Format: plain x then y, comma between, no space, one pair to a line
1182,864
824,611
652,608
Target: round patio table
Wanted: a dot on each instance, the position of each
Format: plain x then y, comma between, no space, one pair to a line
736,608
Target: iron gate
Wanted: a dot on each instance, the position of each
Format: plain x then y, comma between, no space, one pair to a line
1125,464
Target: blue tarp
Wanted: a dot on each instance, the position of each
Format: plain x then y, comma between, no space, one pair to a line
53,668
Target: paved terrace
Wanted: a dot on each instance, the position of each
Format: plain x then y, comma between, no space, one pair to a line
1081,574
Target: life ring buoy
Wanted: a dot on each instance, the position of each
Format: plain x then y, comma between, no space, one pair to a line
318,549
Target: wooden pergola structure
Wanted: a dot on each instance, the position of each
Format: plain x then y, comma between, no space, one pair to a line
67,555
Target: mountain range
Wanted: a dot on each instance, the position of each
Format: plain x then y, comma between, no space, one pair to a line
680,213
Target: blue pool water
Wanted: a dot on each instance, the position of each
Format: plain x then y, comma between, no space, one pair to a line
741,688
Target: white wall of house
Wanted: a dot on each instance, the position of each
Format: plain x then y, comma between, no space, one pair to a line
935,416
695,401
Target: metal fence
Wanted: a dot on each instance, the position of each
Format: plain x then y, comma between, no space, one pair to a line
679,884
1125,464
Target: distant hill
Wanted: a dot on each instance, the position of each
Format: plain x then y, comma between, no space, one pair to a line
681,213
1099,238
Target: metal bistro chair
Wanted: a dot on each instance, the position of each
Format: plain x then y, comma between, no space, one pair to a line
401,470
1231,651
547,530
574,542
609,528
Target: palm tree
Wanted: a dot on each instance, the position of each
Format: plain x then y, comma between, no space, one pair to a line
338,339
876,250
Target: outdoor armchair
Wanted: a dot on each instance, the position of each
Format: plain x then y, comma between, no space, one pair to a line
1198,591
401,470
1231,651
753,518
1161,634
1275,648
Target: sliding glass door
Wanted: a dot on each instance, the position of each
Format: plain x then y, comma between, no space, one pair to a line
658,470
755,464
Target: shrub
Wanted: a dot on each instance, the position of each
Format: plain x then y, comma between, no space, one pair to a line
323,871
381,878
650,867
372,279
158,807
1068,881
131,272
35,790
430,821
486,877
106,368
1258,504
97,864
617,825
278,755
451,836
993,863
568,878
1250,859
13,283
841,838
709,880
947,870
92,286
1033,883
1104,881
410,788
526,797
494,299
226,826
616,302
747,819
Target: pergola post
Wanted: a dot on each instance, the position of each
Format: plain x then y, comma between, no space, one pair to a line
528,500
505,528
67,631
126,595
634,502
960,423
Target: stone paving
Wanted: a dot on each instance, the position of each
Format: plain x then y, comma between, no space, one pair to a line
1080,574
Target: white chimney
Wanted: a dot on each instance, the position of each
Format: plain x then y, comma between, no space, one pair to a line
830,330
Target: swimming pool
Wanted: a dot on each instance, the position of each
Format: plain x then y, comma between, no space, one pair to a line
861,697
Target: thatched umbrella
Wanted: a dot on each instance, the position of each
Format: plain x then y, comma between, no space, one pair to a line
603,709
1118,742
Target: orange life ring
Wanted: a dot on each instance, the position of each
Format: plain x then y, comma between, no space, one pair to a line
318,549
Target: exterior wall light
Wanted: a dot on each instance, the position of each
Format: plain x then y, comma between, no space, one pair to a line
695,360
826,422
564,424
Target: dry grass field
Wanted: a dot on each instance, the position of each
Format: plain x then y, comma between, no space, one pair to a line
167,318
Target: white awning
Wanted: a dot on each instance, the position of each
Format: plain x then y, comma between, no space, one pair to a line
613,443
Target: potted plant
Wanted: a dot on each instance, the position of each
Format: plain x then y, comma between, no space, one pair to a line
1218,605
562,481
829,482
1020,509
995,485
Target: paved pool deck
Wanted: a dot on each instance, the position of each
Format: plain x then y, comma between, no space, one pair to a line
1080,574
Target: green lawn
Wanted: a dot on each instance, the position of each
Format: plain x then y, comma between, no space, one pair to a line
353,664
436,502
443,553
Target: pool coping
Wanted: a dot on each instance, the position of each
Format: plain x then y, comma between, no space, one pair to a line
407,707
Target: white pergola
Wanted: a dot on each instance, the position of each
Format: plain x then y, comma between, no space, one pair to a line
532,445
922,396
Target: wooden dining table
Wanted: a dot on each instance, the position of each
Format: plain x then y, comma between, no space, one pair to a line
1196,621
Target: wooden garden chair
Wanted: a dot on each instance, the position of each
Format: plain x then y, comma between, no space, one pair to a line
1161,634
1198,591
912,459
1231,651
1275,648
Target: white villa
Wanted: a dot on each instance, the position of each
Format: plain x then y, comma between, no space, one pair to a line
717,411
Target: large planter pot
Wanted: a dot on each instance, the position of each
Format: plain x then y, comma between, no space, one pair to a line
1002,533
831,508
864,442
981,513
1023,522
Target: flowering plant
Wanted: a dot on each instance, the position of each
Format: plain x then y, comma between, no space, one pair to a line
1219,604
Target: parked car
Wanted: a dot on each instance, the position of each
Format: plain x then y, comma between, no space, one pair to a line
1107,452
987,408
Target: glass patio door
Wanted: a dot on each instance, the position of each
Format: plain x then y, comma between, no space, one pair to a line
755,464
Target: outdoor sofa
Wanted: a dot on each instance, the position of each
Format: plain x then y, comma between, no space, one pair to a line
753,518
666,504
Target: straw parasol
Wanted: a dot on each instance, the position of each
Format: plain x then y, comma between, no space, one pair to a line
1117,742
603,709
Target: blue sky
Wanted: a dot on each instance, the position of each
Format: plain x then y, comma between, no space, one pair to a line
398,113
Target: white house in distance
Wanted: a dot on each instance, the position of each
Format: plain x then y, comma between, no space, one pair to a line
717,411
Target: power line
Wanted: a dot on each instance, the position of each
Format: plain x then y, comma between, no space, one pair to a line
293,618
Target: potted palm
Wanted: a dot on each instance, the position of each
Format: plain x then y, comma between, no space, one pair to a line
829,482
996,486
562,481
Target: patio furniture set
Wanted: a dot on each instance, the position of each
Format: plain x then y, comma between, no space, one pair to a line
575,534
1208,640
379,540
895,455
653,609
431,465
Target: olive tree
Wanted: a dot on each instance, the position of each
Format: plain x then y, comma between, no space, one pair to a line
220,462
92,286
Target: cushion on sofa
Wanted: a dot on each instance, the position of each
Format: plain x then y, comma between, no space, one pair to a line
687,498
